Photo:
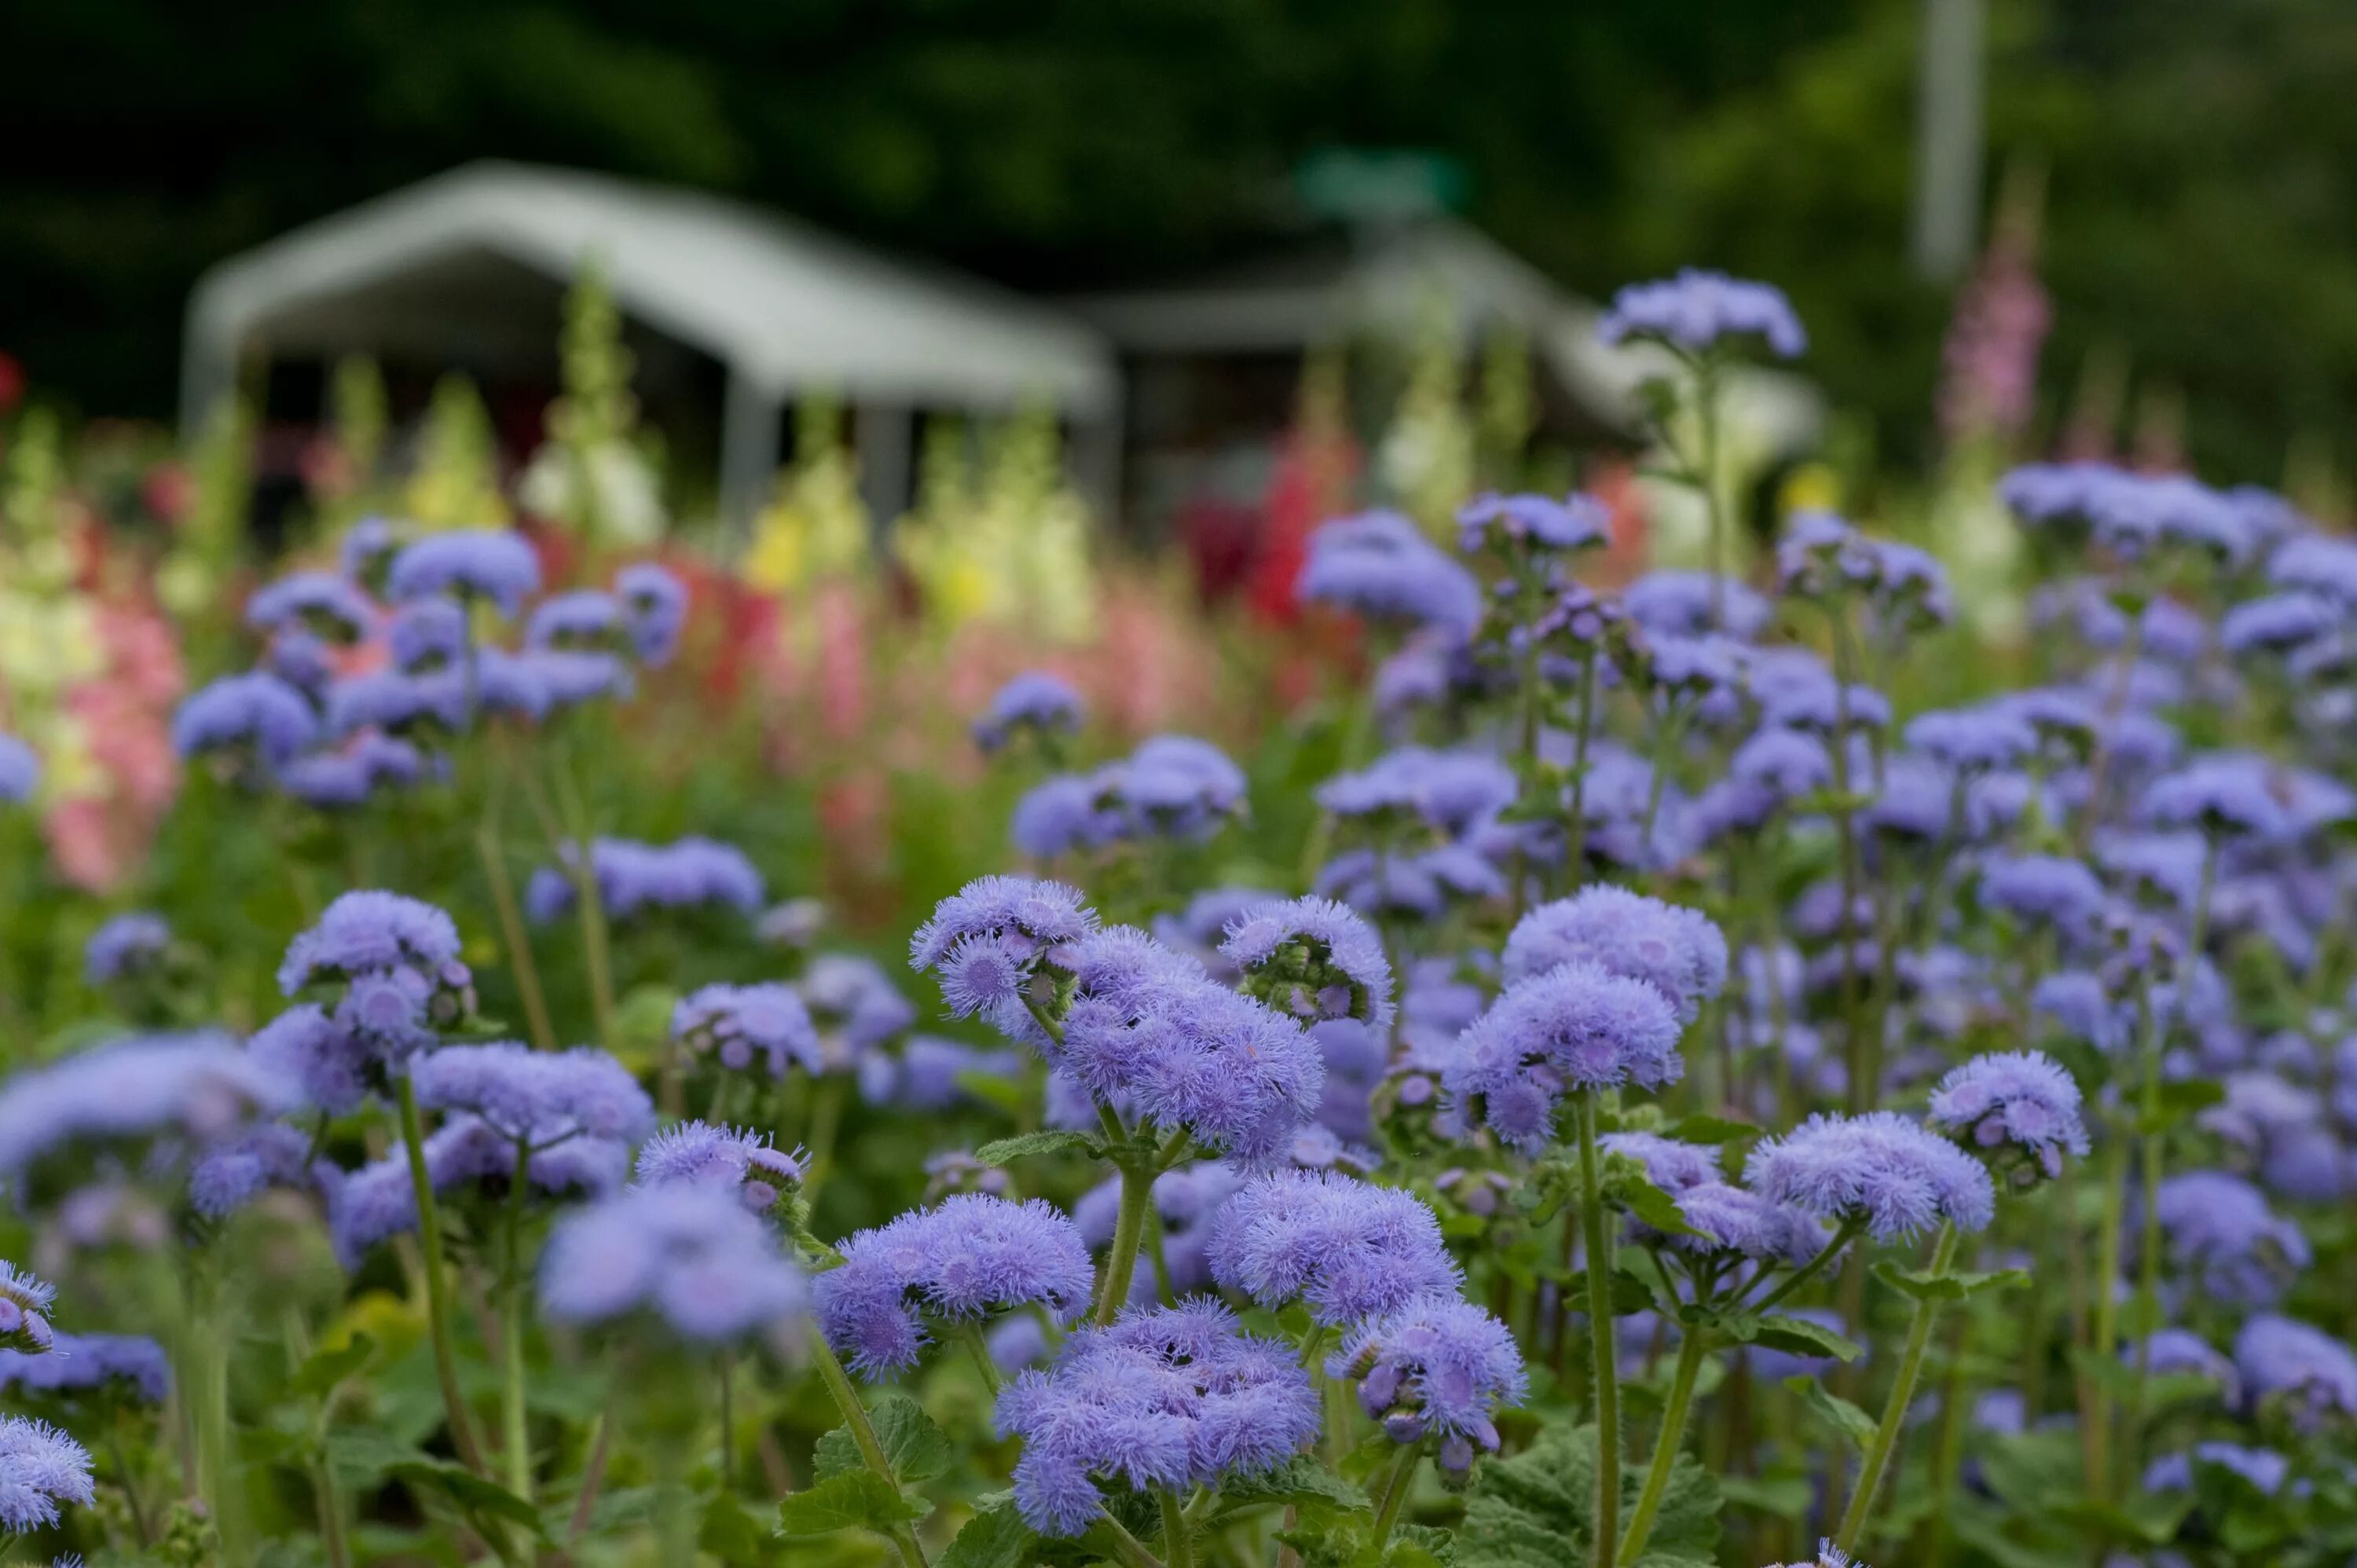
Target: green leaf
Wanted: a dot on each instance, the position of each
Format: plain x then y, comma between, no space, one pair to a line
855,1499
1008,1094
1924,1285
361,1457
473,1493
323,1369
1004,1150
916,1448
1838,1412
1536,1509
1800,1336
1784,1497
994,1537
731,1533
1631,1292
1301,1479
1700,1129
1649,1204
2178,1102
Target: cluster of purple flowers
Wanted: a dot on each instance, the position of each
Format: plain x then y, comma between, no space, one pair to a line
1347,1250
1171,787
742,1026
635,879
387,971
685,1255
1380,565
963,1262
1035,702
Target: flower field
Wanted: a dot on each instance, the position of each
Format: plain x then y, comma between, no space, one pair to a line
519,1050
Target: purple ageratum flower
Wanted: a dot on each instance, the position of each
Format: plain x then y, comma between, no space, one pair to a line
634,878
2278,623
1973,739
2042,889
1147,1030
195,1087
2310,1371
685,1256
2319,564
852,996
127,1369
1034,701
654,610
1576,523
126,946
1026,916
367,549
231,1174
973,1258
323,1064
1176,786
1380,565
580,618
1678,951
1734,1222
2218,1233
1787,763
1669,1164
1575,1026
25,1304
252,714
2181,1352
1315,958
2021,1108
323,604
1436,1368
1066,813
392,964
1800,699
347,778
740,1161
536,1098
40,1467
2261,1467
1679,603
1880,1170
2083,1007
465,1155
476,563
1699,309
2243,792
1451,792
428,635
20,771
571,676
1167,1396
745,1024
1347,1250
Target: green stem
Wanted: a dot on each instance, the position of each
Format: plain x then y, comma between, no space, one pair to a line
1396,1490
1843,1235
863,1436
723,1370
1714,502
1126,1546
1863,1092
1178,1551
979,1350
1576,852
1526,746
591,909
437,1288
1691,1350
826,1117
1128,1230
515,1430
1600,1337
511,927
2106,1334
1852,1533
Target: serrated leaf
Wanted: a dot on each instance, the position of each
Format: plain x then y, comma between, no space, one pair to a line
323,1369
1800,1336
731,1532
1299,1480
361,1456
1924,1285
994,1537
1835,1411
916,1449
1004,1151
855,1499
1536,1509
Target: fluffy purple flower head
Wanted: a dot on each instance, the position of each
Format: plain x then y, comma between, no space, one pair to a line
2083,1007
1800,698
1451,792
1733,1220
126,947
1350,1251
20,771
2261,1467
303,1049
654,610
1677,950
2240,792
254,716
1436,1367
465,1158
634,879
1679,603
1313,958
428,635
476,563
1175,785
197,1087
744,1026
121,1368
2311,1372
392,965
2278,623
1066,813
350,776
1882,1171
1573,1027
322,603
740,1161
687,1257
536,1098
850,995
232,1173
2181,1352
1380,565
40,1467
367,549
572,676
1973,739
1035,701
2318,563
1828,1554
1575,523
2042,890
1173,1397
1788,764
1023,917
2019,1109
1671,1165
972,1258
25,1304
1699,309
2223,1239
579,618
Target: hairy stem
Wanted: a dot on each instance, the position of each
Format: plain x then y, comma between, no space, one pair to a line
863,1436
1396,1487
1691,1350
1128,1231
1606,1364
437,1285
1870,1476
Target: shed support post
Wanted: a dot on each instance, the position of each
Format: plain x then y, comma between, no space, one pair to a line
750,417
884,435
